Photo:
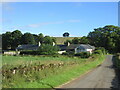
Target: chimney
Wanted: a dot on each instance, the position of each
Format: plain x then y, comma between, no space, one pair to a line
53,43
68,44
39,44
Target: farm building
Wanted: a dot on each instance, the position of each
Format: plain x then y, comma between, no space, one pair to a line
28,47
77,48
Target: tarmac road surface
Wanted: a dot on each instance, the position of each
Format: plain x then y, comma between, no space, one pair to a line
103,76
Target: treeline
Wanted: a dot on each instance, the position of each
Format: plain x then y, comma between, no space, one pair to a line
11,40
107,37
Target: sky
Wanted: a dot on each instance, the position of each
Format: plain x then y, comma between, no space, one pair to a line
55,18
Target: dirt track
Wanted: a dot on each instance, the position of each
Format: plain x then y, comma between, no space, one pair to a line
103,76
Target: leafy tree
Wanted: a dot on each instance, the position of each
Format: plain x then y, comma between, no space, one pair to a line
107,37
36,38
66,34
84,40
75,40
28,38
48,40
16,37
6,40
66,42
47,49
41,37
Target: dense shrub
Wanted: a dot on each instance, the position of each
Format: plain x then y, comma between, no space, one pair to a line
83,54
117,60
47,49
100,50
68,53
78,54
71,53
30,52
43,50
97,52
65,53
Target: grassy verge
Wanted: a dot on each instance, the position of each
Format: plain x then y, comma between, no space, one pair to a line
117,60
55,76
68,74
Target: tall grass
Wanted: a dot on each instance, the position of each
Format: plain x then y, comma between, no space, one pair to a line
52,76
117,60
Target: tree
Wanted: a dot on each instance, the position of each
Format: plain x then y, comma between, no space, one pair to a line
107,37
36,38
41,38
47,49
66,34
84,40
28,38
16,37
66,42
6,40
48,40
75,40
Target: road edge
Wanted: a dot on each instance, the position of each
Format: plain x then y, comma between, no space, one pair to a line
83,74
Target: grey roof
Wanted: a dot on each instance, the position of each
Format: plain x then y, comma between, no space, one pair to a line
84,46
87,46
27,47
73,46
62,47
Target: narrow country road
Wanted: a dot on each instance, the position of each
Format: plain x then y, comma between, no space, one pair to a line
103,76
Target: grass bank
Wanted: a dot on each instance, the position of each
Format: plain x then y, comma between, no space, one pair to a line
53,76
117,60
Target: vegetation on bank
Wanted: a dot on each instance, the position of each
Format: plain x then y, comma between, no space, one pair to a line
44,72
117,60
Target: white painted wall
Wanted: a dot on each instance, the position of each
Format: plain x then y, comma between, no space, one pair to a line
60,52
83,50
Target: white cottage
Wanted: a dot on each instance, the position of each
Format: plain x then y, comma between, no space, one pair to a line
77,48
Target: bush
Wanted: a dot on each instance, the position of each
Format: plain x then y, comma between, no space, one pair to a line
100,50
78,54
30,52
65,53
117,60
97,52
83,54
71,53
47,49
43,50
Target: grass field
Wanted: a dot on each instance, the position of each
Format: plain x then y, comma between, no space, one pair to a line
17,60
61,40
48,77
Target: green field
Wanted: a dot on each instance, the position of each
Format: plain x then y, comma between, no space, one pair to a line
61,40
49,77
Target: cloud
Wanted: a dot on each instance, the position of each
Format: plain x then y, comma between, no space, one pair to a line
9,0
48,23
6,6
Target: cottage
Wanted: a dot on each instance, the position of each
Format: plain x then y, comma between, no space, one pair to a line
77,48
27,47
62,48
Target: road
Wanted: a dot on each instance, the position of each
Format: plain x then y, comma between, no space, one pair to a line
103,76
